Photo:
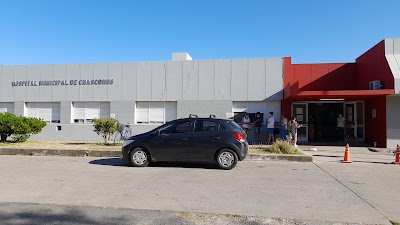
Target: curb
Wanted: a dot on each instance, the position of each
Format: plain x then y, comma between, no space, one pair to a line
107,153
55,152
277,157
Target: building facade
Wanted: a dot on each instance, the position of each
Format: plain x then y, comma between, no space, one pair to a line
365,92
146,94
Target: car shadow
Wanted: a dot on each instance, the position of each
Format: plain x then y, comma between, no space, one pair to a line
201,165
120,162
109,162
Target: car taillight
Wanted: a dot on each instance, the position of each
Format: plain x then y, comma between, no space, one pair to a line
239,137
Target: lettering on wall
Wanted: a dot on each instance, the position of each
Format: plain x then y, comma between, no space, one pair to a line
33,83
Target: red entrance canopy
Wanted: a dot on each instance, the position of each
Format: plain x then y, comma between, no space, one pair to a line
339,95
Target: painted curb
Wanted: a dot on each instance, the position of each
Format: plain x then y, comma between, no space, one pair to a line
55,152
107,153
277,157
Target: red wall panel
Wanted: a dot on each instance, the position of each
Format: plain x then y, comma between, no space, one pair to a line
325,77
375,128
372,65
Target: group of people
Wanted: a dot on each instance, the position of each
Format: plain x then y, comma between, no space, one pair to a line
287,128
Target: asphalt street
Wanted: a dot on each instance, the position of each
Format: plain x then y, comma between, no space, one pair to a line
39,214
325,191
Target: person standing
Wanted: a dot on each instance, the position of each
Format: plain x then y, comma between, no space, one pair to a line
258,122
289,131
294,125
270,127
340,127
246,123
283,127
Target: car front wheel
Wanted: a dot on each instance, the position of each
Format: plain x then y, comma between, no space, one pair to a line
139,157
227,159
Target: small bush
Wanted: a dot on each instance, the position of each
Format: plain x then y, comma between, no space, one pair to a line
283,147
105,127
19,128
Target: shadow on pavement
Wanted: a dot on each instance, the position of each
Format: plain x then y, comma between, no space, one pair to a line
109,162
331,156
37,214
120,162
371,162
202,165
48,217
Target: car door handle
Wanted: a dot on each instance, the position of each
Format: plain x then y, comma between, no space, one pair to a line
184,139
216,139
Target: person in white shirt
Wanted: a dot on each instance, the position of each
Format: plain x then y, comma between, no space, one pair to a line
246,123
270,127
340,127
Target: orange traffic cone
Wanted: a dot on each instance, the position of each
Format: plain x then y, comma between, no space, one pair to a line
347,155
397,160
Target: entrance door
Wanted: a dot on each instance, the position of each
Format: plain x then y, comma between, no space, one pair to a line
300,111
350,131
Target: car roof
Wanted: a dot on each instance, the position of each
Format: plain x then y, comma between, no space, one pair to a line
204,118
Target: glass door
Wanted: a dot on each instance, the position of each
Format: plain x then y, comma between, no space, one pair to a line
300,111
350,129
360,129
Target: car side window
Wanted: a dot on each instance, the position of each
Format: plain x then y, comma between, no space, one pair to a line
183,127
179,127
205,125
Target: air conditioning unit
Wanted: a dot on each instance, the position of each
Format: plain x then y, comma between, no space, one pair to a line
375,85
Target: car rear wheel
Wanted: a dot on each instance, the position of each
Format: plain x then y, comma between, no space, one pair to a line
227,159
139,157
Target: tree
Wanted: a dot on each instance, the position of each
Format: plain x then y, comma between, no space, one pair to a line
19,128
26,127
105,127
7,124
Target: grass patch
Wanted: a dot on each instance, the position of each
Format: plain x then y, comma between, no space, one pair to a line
279,147
67,145
184,215
235,216
394,222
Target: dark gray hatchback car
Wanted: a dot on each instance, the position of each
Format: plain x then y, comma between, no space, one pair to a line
191,139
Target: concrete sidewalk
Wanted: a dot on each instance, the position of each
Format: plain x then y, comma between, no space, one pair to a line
370,176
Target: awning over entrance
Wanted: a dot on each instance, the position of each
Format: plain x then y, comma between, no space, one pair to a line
347,95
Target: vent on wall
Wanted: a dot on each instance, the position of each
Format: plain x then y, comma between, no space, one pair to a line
375,85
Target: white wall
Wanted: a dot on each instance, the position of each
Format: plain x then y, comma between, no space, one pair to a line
393,120
392,53
232,79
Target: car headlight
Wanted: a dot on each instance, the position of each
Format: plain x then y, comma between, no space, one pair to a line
127,142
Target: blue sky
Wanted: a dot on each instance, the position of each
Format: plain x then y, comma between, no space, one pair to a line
310,31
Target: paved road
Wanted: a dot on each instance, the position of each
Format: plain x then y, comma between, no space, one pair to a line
268,189
370,176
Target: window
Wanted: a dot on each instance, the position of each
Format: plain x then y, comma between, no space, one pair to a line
85,112
155,112
252,107
205,125
48,111
6,107
179,127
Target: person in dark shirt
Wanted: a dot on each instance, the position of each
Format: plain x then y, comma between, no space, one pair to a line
258,122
